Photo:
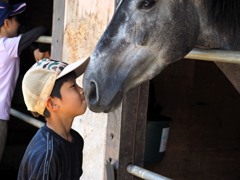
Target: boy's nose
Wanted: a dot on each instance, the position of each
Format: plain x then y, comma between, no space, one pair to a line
80,90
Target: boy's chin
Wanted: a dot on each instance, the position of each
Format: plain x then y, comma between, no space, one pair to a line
82,111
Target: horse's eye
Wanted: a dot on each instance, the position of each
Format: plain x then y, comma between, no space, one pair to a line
147,4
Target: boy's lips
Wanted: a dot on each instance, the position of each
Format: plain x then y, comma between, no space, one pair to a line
82,98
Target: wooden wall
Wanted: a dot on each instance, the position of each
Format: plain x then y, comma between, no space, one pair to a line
204,139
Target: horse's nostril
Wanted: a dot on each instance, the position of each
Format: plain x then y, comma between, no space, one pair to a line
93,95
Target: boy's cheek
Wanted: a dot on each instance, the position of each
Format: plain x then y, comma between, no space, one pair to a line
84,104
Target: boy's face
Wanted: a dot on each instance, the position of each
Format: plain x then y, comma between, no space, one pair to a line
73,101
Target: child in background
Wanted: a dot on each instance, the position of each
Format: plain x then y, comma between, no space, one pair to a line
11,46
49,89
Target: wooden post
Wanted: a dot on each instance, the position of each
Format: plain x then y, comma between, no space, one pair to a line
132,116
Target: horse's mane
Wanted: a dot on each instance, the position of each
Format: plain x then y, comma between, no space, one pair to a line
225,14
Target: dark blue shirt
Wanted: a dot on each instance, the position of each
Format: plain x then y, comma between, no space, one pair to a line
49,156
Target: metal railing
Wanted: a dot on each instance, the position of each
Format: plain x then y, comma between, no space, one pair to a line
197,54
144,174
28,119
44,39
214,55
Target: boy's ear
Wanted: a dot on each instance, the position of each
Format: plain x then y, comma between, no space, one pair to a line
6,23
51,104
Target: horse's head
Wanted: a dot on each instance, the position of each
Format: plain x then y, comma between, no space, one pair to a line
143,37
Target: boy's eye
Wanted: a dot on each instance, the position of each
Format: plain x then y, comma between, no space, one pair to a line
74,85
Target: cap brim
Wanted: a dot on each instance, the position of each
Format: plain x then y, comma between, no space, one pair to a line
78,67
18,8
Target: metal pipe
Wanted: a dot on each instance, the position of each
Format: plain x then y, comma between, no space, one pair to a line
144,174
197,54
26,118
44,39
214,55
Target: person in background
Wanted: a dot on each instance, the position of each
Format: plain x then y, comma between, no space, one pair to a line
11,46
55,151
36,15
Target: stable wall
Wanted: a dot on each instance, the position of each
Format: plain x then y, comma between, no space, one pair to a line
84,23
204,139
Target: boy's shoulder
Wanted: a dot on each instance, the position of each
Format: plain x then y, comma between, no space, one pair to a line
9,43
42,145
11,39
47,141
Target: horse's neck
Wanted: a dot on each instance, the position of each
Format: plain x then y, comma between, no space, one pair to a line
211,37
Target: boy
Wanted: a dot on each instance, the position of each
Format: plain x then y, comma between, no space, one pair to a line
11,46
50,89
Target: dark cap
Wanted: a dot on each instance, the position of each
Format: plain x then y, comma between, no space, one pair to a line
7,10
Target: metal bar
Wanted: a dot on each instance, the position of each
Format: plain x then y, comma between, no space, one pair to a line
144,174
214,55
44,39
26,118
197,54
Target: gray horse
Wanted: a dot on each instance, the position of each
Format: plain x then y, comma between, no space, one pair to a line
145,36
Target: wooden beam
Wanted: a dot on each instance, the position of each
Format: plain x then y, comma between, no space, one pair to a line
58,29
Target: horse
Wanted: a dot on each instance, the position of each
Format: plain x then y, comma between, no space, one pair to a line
145,36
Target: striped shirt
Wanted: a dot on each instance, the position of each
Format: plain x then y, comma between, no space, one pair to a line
49,156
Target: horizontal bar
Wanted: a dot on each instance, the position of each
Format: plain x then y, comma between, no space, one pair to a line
144,174
26,118
44,39
214,55
197,54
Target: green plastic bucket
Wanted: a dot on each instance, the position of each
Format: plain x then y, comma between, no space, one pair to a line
156,140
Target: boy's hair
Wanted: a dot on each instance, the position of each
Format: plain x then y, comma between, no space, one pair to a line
39,80
57,87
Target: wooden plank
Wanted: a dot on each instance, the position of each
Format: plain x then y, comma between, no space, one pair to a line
58,29
133,127
232,72
113,138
